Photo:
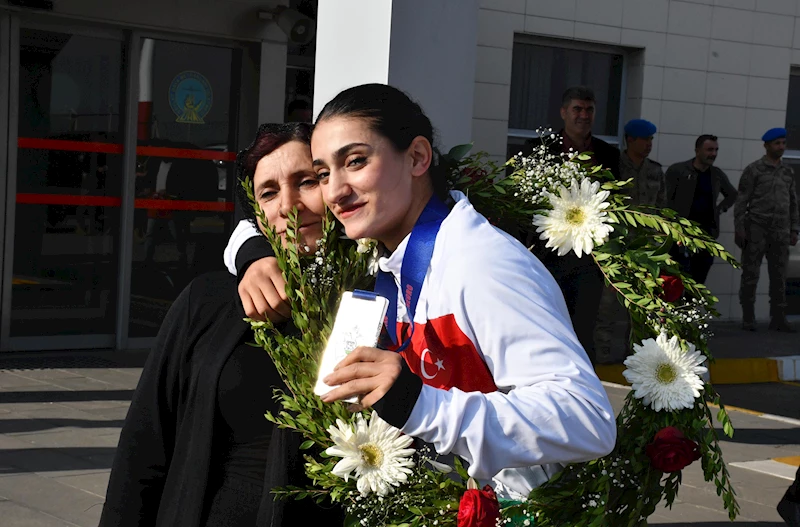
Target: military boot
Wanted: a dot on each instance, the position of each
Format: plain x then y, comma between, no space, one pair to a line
778,322
748,317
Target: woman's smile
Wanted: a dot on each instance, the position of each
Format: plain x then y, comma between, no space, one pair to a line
349,211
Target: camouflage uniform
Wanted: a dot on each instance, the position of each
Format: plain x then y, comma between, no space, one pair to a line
649,188
649,185
766,212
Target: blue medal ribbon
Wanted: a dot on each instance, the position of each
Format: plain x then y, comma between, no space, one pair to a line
416,260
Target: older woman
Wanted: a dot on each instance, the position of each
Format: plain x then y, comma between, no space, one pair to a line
196,449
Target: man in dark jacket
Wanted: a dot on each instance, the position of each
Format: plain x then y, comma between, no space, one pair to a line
579,278
693,189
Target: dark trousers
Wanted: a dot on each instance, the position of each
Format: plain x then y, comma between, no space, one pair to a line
697,265
613,323
582,284
774,245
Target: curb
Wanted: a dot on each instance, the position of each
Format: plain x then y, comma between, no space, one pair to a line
770,467
794,460
728,371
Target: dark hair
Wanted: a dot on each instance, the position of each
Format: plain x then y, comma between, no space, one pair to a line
703,138
393,115
577,93
269,138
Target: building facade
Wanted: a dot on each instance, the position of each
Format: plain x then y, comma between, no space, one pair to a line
119,120
722,67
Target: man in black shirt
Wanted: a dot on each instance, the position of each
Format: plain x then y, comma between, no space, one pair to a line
579,278
693,189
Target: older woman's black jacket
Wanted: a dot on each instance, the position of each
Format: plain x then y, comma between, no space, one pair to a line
161,469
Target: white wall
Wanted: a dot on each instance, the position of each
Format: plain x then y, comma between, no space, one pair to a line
702,66
440,56
425,48
332,73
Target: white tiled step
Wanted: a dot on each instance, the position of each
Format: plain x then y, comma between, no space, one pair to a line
769,467
788,367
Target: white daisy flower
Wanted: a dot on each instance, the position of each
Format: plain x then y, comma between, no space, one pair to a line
663,375
578,221
377,452
365,245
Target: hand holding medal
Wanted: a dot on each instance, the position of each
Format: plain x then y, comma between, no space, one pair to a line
367,373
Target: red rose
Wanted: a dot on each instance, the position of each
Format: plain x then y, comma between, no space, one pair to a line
478,508
670,451
673,288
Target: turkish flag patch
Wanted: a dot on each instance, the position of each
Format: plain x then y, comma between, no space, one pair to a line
444,357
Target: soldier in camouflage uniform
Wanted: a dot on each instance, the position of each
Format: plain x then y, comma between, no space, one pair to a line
649,188
766,222
649,185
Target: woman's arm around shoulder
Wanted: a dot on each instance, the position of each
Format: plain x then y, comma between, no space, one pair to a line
245,246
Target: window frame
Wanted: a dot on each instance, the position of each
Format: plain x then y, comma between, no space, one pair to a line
794,71
520,133
791,154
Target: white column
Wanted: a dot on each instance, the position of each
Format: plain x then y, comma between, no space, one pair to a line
426,48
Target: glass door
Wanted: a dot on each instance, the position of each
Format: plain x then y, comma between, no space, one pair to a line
65,175
119,154
187,126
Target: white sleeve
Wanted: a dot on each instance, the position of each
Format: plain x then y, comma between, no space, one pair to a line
550,407
243,232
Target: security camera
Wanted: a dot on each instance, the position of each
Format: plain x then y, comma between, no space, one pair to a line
298,28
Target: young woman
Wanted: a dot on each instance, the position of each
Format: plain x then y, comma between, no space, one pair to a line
196,449
490,368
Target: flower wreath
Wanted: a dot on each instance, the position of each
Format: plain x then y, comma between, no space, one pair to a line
367,466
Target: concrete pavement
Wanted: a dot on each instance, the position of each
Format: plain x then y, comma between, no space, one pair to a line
59,428
756,439
60,417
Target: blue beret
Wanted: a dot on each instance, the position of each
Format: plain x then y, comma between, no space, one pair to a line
774,133
640,128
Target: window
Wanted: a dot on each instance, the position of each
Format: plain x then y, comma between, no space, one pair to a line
540,74
793,116
792,157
